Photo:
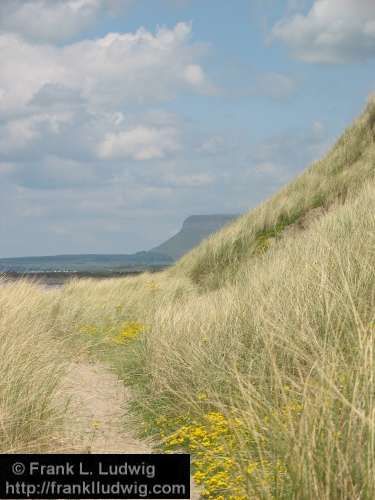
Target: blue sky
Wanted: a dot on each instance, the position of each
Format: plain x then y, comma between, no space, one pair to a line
119,118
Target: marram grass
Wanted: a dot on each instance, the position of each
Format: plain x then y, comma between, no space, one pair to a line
31,368
255,353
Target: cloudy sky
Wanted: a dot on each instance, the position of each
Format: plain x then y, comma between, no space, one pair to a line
119,118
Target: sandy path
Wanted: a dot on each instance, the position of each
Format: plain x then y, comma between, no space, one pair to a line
96,415
95,420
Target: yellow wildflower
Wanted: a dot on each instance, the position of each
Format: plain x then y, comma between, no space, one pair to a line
96,424
202,396
130,330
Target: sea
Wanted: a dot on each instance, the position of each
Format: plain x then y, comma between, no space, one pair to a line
55,271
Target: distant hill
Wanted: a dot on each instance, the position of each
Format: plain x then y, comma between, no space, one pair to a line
194,229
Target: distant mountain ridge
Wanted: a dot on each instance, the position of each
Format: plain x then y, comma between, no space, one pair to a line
194,229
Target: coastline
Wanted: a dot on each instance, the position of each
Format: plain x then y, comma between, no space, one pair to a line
59,278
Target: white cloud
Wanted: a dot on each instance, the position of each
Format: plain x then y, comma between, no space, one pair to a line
139,143
76,121
193,74
19,133
55,173
333,31
25,69
106,72
52,20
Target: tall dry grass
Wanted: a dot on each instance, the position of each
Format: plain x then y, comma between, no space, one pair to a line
284,352
289,349
257,350
31,367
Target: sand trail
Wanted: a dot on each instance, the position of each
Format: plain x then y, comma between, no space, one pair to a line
95,416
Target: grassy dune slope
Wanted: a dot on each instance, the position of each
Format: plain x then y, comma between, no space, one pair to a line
255,352
343,171
268,381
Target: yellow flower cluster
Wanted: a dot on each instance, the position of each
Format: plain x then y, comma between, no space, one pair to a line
129,331
212,445
118,333
231,462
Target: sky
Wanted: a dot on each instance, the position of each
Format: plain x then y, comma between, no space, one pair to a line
120,118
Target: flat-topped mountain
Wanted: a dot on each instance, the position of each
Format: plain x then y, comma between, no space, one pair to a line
194,229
